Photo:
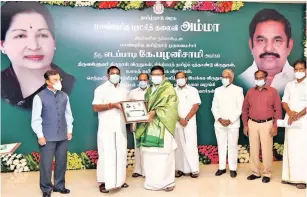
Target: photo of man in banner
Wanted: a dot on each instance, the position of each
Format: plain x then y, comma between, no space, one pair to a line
270,43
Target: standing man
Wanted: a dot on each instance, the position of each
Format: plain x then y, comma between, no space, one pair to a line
270,42
227,108
112,136
187,159
294,103
156,137
138,94
260,112
52,122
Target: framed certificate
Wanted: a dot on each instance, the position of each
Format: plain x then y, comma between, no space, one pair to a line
8,148
134,111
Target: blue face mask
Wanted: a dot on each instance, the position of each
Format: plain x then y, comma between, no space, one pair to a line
143,84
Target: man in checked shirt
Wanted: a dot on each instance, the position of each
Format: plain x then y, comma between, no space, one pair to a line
260,112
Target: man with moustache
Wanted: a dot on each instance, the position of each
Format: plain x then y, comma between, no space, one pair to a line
270,43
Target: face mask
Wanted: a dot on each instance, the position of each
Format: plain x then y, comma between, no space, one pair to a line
114,78
181,82
57,86
260,83
225,81
300,75
156,79
143,84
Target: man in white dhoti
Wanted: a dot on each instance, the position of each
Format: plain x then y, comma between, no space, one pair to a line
227,108
112,136
294,103
138,94
187,159
156,137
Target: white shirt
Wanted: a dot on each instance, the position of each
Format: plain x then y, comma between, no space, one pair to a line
227,104
295,95
137,94
110,120
188,96
279,81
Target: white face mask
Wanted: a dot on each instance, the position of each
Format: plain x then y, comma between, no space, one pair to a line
225,81
57,86
143,84
260,83
300,75
181,82
156,79
114,78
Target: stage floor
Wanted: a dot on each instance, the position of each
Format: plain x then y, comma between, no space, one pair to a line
82,183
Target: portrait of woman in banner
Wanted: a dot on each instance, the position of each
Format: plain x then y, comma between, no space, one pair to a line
28,40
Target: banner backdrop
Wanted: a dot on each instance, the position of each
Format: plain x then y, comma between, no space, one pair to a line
200,40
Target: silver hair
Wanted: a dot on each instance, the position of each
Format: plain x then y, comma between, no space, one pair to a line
230,72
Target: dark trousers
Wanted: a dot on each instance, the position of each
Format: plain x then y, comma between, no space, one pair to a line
57,149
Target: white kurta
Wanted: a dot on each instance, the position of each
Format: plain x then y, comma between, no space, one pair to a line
227,104
137,94
159,164
187,159
294,156
112,137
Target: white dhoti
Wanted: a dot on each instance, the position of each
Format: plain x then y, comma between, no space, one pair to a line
294,157
187,159
160,172
160,164
139,160
112,162
227,138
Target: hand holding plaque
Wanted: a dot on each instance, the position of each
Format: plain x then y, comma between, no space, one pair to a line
134,111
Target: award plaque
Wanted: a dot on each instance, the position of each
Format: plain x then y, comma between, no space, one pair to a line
134,111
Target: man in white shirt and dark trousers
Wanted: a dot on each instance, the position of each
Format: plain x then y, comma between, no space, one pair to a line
227,108
138,94
187,159
52,122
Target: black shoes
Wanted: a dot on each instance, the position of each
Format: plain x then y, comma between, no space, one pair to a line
62,191
135,175
253,177
47,194
266,179
220,172
125,185
233,174
179,174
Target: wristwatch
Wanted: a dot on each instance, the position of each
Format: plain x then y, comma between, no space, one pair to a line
187,119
